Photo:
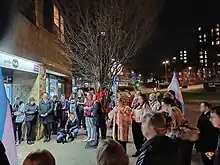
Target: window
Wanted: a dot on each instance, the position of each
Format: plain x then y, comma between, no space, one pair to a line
204,36
204,40
217,29
199,28
201,61
181,52
184,55
201,57
27,8
217,33
217,42
200,52
184,51
200,40
218,55
212,30
206,61
185,58
205,52
217,25
200,36
185,61
205,56
56,16
213,43
59,23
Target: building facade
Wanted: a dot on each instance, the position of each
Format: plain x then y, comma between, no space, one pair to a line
32,57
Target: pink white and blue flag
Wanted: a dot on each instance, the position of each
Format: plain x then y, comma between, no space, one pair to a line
6,127
174,85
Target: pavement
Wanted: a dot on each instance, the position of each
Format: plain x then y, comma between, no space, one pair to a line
75,153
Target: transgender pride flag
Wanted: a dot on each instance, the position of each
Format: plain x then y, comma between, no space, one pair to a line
6,128
174,85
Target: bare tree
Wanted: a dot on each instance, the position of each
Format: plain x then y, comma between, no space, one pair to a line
102,35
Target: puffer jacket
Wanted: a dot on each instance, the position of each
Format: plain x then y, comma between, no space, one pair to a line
184,137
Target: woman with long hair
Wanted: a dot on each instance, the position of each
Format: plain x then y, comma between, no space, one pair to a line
136,115
121,122
183,134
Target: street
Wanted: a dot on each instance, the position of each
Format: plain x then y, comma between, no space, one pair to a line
74,153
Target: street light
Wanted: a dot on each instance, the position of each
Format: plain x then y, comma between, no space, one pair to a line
165,65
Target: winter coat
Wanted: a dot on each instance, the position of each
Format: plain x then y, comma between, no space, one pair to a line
19,110
57,109
184,137
46,107
155,105
160,150
121,119
207,132
217,153
30,112
64,110
3,156
98,114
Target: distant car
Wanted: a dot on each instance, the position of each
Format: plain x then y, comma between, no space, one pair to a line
185,86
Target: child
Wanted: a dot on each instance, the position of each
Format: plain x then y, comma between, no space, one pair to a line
71,127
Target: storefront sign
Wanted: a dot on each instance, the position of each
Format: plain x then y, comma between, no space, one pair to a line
17,63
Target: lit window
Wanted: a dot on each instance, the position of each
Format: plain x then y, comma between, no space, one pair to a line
201,61
200,40
181,51
184,51
185,55
204,36
204,69
180,73
181,55
204,40
56,16
181,58
185,58
217,42
200,36
185,61
213,43
217,33
218,63
206,61
201,57
217,29
205,52
212,30
218,55
205,56
199,28
217,25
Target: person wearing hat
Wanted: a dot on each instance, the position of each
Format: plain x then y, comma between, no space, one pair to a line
30,120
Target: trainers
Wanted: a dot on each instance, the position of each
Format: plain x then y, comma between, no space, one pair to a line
85,140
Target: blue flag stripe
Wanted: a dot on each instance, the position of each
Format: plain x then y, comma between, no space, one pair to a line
3,105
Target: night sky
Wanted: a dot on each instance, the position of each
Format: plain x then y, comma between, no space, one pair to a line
174,32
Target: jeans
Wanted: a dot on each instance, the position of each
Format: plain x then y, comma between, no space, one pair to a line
137,135
81,118
47,130
18,127
30,130
90,127
74,131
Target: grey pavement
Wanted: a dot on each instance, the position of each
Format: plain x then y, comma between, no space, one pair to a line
74,153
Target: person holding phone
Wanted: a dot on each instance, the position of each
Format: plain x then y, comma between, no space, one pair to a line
215,119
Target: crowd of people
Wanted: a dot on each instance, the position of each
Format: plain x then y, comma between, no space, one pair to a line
161,133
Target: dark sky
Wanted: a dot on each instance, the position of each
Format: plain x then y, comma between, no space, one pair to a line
174,32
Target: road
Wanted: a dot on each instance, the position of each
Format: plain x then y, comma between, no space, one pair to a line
74,153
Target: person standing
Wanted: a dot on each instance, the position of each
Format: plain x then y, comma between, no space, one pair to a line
57,113
215,119
159,149
177,103
19,112
30,120
154,103
64,111
121,123
134,103
3,156
208,137
137,113
129,99
46,116
80,102
183,135
88,113
73,104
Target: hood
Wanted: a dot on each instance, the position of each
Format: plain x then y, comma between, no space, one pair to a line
186,133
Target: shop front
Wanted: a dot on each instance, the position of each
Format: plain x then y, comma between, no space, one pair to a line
20,76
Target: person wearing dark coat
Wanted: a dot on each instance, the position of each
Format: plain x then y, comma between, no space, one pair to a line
99,121
46,116
208,137
30,120
159,149
57,113
3,156
215,119
64,111
177,103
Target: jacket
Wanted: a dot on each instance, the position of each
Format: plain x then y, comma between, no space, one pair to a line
98,115
30,112
217,153
184,137
207,132
46,107
57,108
71,124
3,156
160,150
155,105
19,110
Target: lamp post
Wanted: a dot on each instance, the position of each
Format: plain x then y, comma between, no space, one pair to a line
165,66
189,74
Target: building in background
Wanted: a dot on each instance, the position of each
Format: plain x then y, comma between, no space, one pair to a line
32,56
